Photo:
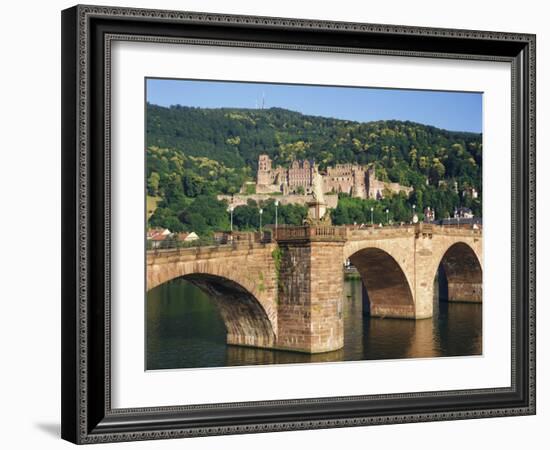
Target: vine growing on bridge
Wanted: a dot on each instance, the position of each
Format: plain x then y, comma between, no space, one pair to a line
277,255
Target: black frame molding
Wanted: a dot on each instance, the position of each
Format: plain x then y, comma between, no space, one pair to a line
87,33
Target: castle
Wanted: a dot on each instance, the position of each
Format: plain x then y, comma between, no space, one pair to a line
352,179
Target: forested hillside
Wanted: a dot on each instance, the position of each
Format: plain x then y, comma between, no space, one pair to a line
196,152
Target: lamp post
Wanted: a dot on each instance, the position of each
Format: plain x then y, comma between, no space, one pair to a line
276,215
414,212
371,221
261,212
231,212
387,216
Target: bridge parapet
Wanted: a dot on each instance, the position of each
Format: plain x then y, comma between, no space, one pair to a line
418,230
449,230
310,233
205,252
380,233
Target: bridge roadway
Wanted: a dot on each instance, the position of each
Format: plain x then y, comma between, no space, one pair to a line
288,294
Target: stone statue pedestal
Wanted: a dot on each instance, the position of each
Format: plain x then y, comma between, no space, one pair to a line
316,210
317,214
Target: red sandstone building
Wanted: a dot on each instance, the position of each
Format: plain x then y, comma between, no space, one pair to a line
353,179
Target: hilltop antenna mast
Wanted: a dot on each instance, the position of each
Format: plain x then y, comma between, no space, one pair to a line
263,100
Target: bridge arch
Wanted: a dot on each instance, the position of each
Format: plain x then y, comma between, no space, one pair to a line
245,319
246,299
460,263
388,288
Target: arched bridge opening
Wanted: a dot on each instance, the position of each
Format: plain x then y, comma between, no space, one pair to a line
386,291
246,321
459,275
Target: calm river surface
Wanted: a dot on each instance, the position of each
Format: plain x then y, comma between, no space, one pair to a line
185,330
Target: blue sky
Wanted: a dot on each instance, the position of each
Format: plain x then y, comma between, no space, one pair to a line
460,111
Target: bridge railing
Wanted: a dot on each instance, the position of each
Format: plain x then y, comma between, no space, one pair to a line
423,228
378,231
458,230
174,244
320,232
227,239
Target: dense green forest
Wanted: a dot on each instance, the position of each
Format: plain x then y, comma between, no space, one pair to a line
194,154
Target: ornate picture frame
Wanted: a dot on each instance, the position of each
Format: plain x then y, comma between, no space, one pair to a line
88,33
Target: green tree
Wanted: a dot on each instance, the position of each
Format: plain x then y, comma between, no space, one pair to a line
153,183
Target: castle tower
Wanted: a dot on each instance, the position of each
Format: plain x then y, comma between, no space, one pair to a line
359,182
264,170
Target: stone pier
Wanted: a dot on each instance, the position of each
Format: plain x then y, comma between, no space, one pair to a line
310,315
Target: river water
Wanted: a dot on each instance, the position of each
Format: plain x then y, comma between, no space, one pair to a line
185,330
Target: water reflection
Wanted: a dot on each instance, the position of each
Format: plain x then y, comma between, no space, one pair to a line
185,330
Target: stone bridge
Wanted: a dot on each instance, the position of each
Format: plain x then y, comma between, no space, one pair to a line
288,294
